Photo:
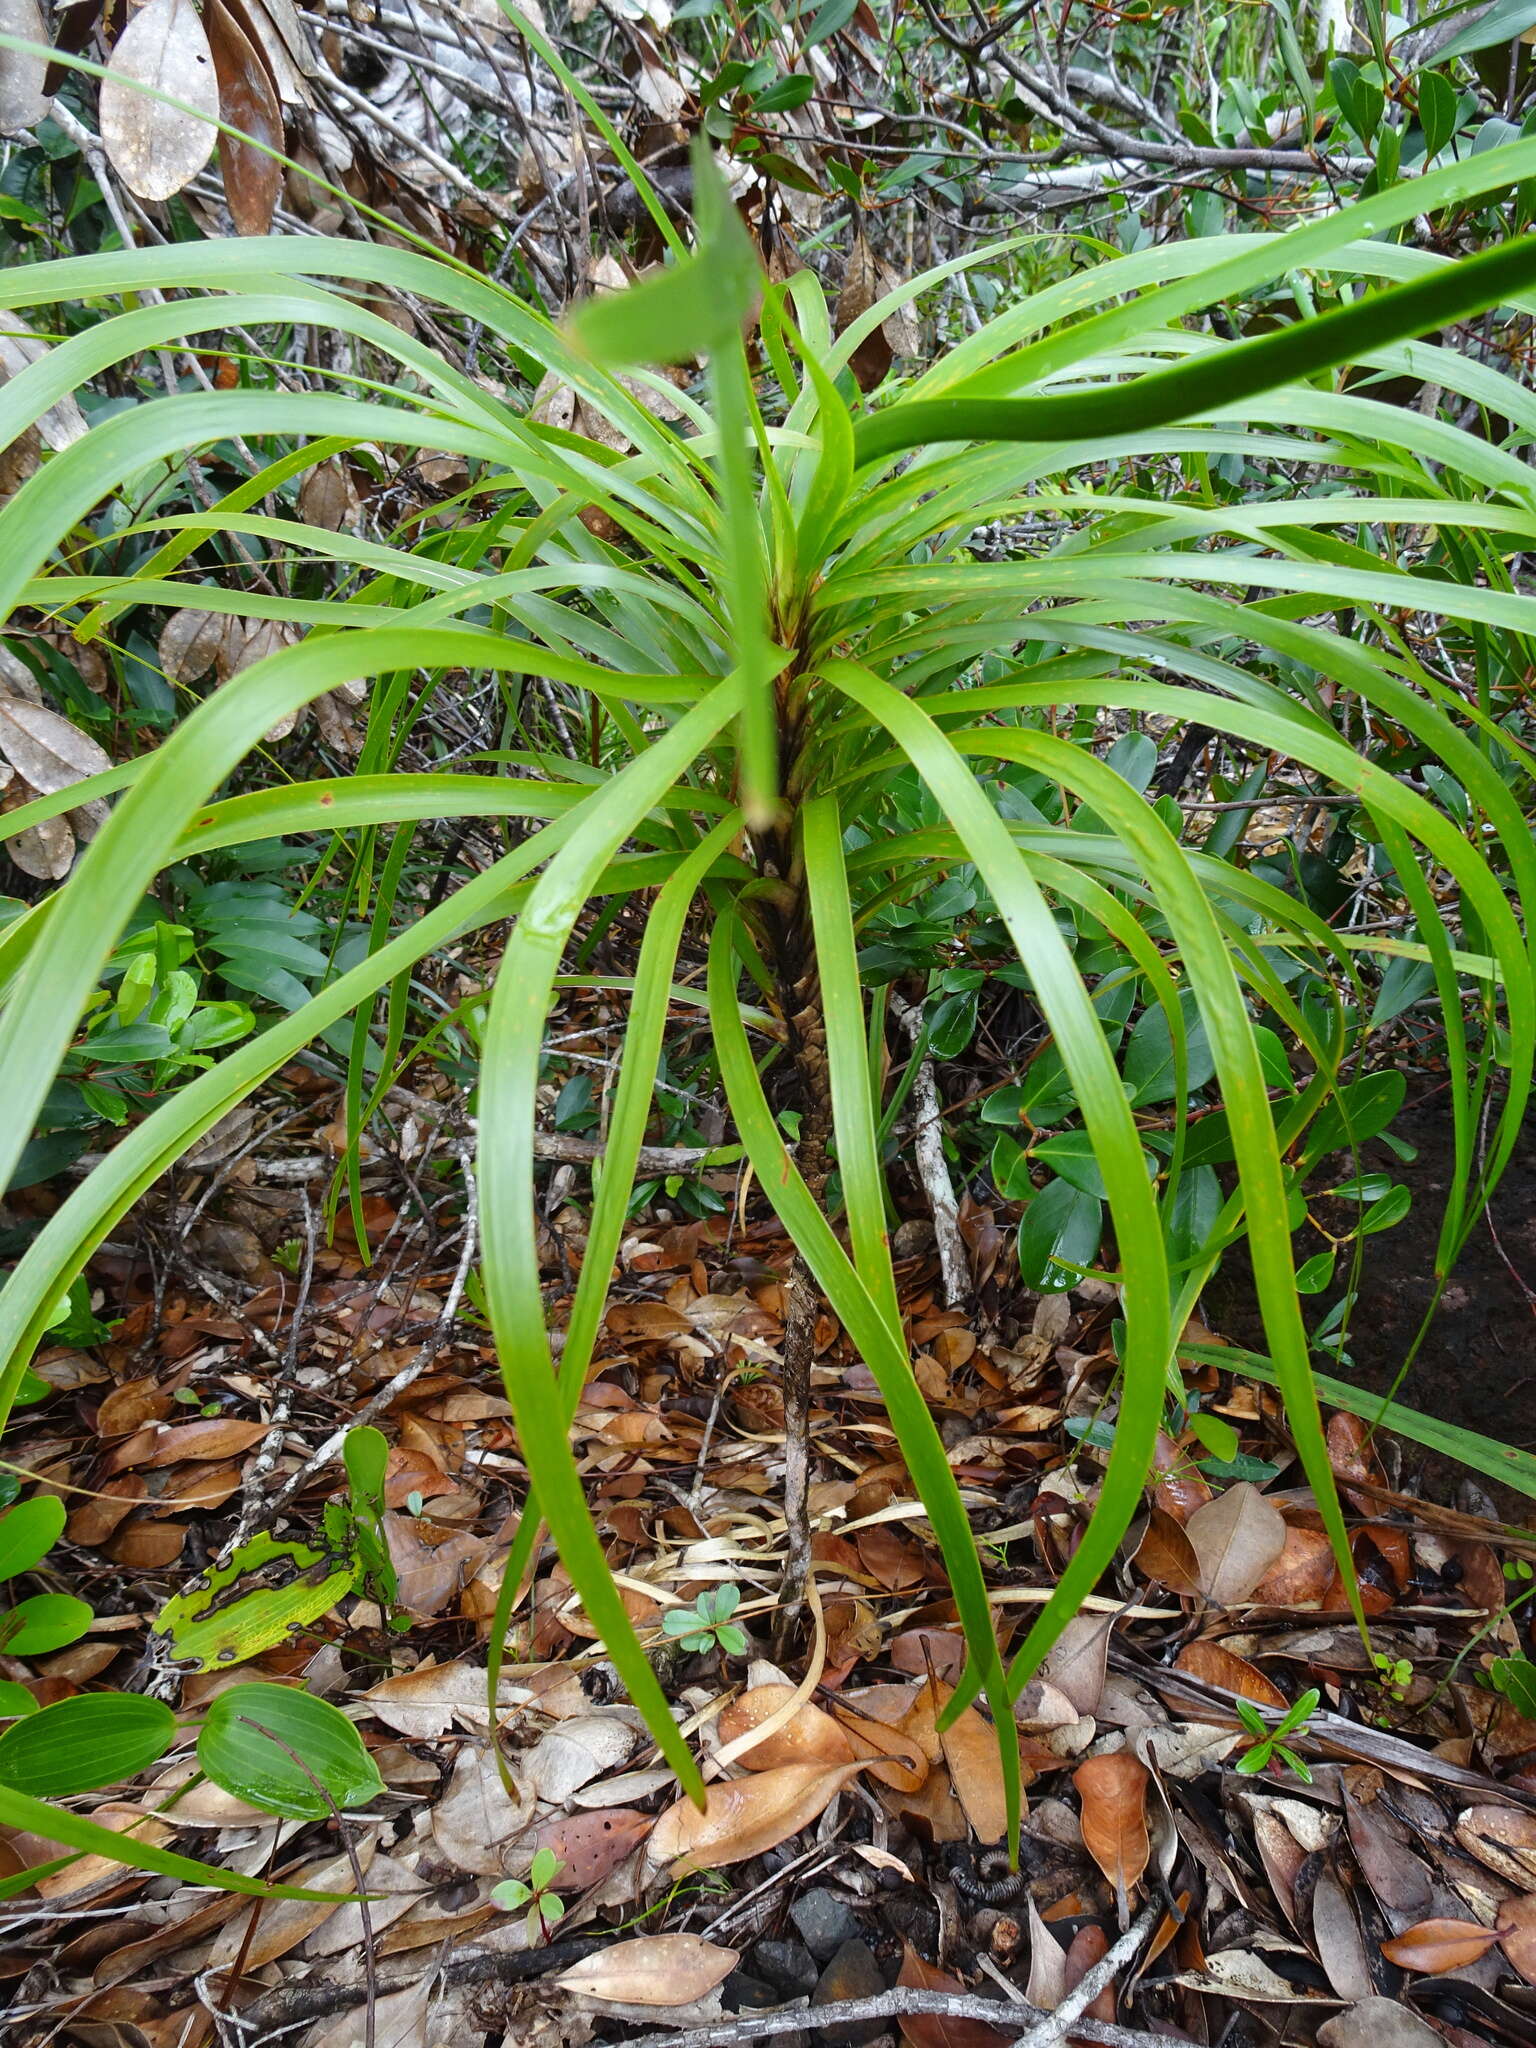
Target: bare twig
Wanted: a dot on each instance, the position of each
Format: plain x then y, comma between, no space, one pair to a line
932,1167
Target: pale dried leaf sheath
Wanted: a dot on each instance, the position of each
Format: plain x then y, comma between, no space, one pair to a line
154,148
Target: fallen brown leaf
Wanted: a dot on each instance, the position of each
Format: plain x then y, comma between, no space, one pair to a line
1113,1790
810,1736
745,1816
1237,1538
654,1969
938,2030
1216,1666
589,1845
1435,1946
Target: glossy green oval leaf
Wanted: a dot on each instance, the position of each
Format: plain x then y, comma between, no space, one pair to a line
253,1740
1060,1224
15,1700
82,1744
46,1622
28,1533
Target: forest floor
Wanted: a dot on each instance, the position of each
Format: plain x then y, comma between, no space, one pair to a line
1382,1893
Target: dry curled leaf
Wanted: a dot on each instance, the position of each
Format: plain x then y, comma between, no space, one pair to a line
654,1969
1113,1790
1237,1538
1503,1837
247,101
154,148
1301,1575
745,1816
1435,1946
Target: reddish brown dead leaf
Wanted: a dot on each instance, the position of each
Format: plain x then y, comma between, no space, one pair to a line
894,1757
248,101
1181,1486
219,1436
1113,1790
975,1769
655,1969
1435,1946
589,1845
809,1737
894,1563
1352,1457
1166,1556
937,2030
1089,1946
1301,1574
920,1651
1237,1538
1517,1931
745,1816
1213,1665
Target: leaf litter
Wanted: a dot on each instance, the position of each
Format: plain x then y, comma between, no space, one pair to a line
856,1843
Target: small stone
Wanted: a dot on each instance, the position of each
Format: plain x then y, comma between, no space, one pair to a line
743,1993
825,1921
852,1973
788,1965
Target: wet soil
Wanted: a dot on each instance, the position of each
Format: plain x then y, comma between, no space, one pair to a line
1477,1366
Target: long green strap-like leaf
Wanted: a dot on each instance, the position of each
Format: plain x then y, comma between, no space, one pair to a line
882,1351
634,1099
1239,372
1086,1055
511,1056
842,1008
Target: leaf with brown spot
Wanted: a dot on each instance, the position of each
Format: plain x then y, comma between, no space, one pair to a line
1166,1556
745,1816
653,1969
156,149
248,101
1213,1665
1237,1538
936,2029
1435,1946
1113,1790
590,1845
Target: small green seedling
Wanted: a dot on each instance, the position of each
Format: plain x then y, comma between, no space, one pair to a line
1267,1743
708,1622
544,1908
1393,1674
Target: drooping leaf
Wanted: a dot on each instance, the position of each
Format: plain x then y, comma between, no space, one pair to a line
248,101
